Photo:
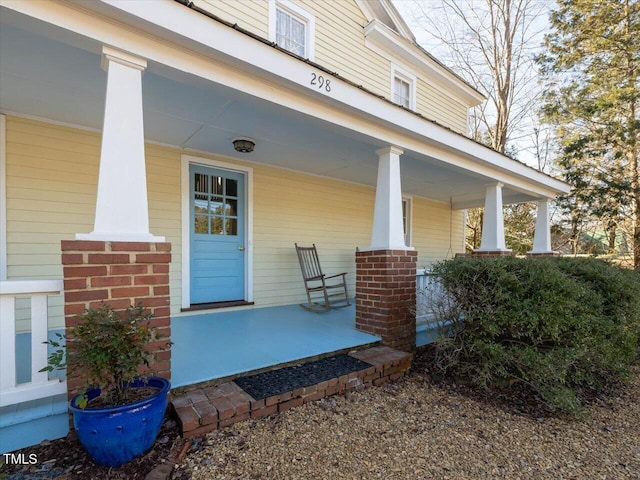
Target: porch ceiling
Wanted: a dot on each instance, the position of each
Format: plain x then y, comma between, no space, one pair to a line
54,74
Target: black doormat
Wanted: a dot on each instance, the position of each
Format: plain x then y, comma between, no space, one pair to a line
287,379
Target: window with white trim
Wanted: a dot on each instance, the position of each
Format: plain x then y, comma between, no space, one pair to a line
406,220
403,88
291,27
401,92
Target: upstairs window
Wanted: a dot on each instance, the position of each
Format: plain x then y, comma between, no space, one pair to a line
291,33
401,92
403,88
291,27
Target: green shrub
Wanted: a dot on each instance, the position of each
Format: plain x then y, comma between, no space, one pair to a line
559,324
107,348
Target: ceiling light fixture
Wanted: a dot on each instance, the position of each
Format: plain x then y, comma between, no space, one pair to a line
244,144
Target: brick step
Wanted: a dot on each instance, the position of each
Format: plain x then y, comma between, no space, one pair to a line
205,409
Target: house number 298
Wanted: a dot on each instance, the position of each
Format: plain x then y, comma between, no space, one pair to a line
321,82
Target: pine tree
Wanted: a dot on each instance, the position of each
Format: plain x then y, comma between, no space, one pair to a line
592,71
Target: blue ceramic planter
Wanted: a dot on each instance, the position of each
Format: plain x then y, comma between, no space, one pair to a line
113,436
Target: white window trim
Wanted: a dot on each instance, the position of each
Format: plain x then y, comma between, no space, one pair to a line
3,198
301,14
187,160
409,235
411,79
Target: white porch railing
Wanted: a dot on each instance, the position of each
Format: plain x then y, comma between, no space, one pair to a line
39,386
429,293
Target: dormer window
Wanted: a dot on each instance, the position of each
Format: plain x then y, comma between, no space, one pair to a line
291,27
403,88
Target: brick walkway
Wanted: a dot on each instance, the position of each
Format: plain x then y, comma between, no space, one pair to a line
205,409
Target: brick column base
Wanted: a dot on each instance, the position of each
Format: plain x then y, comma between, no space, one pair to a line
120,274
386,296
543,254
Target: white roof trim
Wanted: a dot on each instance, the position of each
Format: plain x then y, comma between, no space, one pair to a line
383,37
405,31
372,10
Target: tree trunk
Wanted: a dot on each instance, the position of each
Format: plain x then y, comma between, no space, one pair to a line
575,232
636,219
612,238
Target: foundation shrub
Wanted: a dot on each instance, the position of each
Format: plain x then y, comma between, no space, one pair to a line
565,326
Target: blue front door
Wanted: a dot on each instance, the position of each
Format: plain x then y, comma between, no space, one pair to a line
217,235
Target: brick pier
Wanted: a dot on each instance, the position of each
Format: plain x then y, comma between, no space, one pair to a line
120,274
385,296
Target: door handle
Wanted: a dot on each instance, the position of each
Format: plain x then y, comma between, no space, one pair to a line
241,248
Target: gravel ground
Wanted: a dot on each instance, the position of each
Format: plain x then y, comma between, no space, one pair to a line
411,429
415,429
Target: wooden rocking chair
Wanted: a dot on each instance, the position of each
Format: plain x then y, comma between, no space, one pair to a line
323,293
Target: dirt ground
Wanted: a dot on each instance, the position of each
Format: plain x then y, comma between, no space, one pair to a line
412,429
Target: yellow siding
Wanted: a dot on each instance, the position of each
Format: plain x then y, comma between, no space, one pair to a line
340,47
339,37
437,231
52,173
163,191
290,208
51,185
337,217
51,196
435,105
248,14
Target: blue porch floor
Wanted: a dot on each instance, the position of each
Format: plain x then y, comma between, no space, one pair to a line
216,345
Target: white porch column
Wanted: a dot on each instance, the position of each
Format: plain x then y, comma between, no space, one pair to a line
122,212
493,221
542,235
388,232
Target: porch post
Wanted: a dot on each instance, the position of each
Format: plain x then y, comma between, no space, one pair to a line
386,271
492,242
121,205
120,263
542,235
388,232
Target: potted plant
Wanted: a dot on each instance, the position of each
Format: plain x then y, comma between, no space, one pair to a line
119,413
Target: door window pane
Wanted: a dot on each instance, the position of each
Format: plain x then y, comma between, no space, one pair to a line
217,205
200,224
217,186
215,210
201,183
200,204
232,187
232,226
216,225
232,208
